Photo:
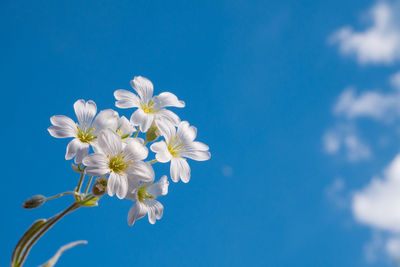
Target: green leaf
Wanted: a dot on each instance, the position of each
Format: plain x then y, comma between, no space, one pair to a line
33,229
89,203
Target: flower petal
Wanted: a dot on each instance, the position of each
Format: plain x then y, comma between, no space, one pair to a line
135,150
77,149
117,184
167,130
186,133
85,111
194,146
62,121
154,210
180,170
72,148
196,155
166,115
62,127
160,188
96,164
82,152
136,212
141,170
168,99
143,87
126,127
61,132
161,150
133,187
106,119
126,99
109,142
144,120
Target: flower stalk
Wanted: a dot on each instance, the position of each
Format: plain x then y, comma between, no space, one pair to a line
107,147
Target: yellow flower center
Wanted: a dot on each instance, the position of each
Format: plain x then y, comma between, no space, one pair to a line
121,134
85,135
143,195
148,107
175,146
117,164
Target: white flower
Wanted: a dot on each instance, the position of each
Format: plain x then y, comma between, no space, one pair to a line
145,196
85,132
125,128
122,161
178,146
149,108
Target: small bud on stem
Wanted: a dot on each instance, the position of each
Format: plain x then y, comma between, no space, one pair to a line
100,187
152,134
34,202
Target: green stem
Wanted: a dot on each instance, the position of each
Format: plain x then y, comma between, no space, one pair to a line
48,225
88,184
153,161
137,133
39,228
60,195
78,189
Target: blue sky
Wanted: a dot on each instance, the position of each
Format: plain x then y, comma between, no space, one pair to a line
262,82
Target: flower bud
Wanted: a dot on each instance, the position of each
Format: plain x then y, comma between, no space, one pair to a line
34,202
100,187
153,133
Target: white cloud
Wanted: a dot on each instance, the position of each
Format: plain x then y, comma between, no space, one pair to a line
395,80
393,247
356,149
374,247
372,104
380,43
344,138
332,142
378,204
335,193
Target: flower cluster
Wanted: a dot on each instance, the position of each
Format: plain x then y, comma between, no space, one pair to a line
108,146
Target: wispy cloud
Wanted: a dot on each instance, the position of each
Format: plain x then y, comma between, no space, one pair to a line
344,138
395,80
380,43
374,247
372,104
335,193
392,247
382,107
377,204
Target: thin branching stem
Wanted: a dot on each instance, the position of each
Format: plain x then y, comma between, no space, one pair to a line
48,225
78,188
88,184
61,194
